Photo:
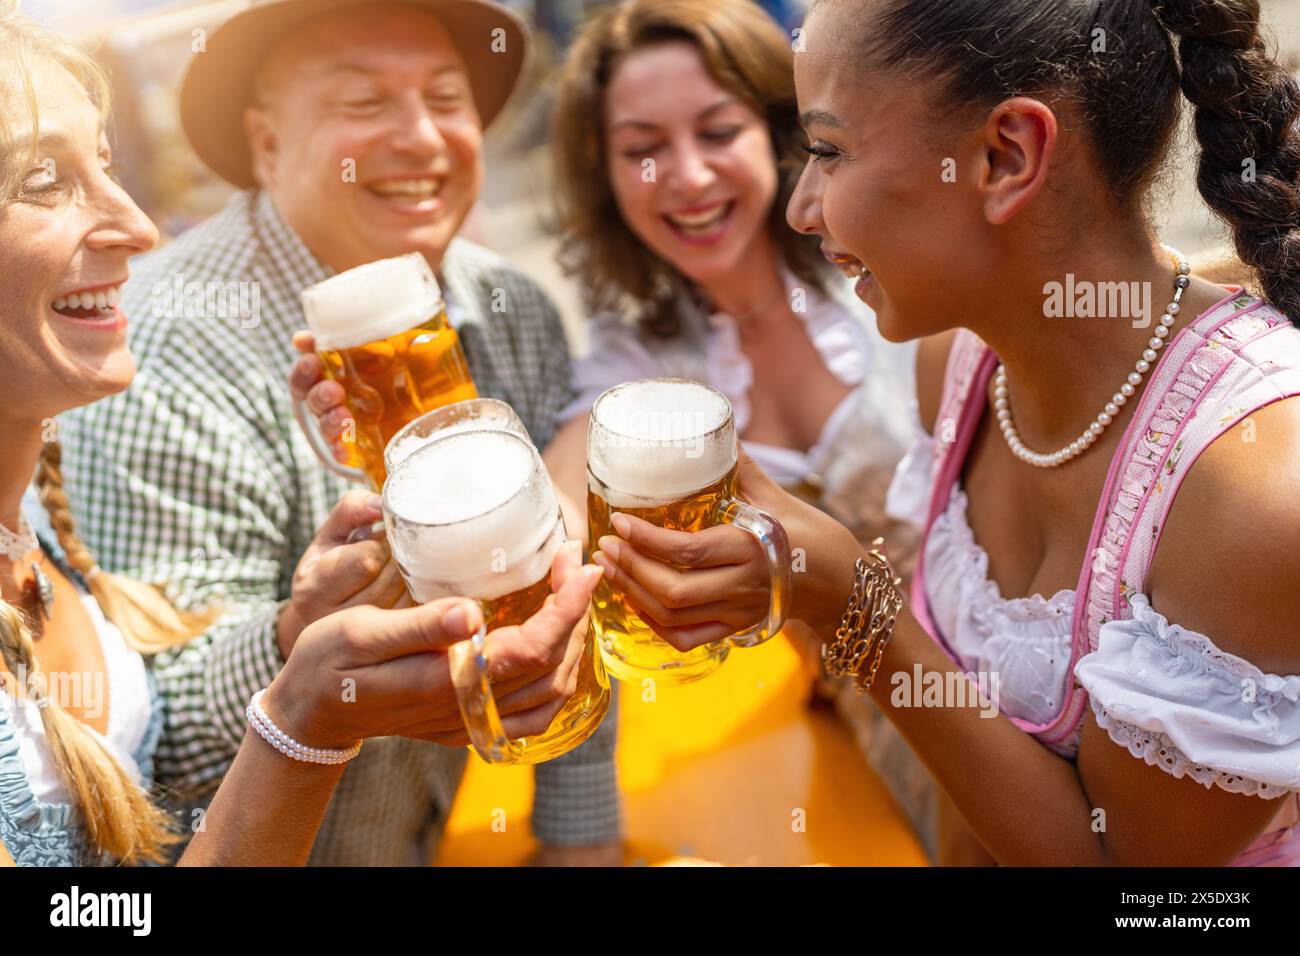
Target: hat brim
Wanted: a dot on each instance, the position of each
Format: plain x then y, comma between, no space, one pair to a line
218,84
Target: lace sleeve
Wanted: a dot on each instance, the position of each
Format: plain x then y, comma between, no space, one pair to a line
1172,698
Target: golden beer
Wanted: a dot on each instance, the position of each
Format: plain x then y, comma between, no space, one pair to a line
664,450
473,514
573,724
625,639
382,333
517,606
393,381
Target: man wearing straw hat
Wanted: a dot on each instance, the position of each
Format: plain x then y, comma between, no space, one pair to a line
354,130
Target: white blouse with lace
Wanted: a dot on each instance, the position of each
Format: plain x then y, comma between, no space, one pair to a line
1165,693
870,428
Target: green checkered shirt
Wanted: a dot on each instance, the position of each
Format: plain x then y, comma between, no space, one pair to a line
198,478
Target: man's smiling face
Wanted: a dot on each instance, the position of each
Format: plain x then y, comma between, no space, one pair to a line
367,136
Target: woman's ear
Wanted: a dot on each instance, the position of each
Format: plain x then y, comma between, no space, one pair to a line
1019,140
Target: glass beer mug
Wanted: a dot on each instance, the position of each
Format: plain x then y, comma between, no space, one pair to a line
382,333
471,415
665,450
474,514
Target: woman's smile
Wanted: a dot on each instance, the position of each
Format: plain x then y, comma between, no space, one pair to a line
95,307
701,225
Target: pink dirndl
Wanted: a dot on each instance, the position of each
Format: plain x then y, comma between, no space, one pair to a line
1237,358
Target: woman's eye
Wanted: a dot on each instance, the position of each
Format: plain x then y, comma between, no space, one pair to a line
722,135
639,152
820,153
40,180
445,99
112,173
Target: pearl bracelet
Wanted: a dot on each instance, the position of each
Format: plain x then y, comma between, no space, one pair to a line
277,738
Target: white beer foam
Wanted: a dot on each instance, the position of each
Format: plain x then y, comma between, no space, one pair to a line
463,416
372,302
657,440
489,584
403,447
468,520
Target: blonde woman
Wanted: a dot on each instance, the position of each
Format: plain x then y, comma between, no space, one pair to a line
79,715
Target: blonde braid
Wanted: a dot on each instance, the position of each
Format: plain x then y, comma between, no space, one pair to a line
145,617
119,817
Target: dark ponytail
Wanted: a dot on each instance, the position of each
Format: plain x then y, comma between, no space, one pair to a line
1113,62
1246,112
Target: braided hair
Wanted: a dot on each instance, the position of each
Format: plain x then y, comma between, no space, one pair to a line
1246,111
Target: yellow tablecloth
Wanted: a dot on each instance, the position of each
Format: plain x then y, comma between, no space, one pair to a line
734,768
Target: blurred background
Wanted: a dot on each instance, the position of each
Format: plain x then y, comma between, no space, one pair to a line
789,765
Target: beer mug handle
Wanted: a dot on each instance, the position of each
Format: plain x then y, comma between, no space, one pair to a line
771,535
478,706
311,429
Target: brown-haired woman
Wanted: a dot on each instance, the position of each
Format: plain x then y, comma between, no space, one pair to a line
79,717
677,147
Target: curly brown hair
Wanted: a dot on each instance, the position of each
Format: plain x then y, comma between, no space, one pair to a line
747,54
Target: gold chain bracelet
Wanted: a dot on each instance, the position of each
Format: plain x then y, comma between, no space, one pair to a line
868,622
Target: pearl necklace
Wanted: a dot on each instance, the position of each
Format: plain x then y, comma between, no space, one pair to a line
1126,391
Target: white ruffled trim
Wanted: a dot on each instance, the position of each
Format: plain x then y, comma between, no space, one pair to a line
1026,640
1016,637
1193,647
1173,698
1159,751
952,536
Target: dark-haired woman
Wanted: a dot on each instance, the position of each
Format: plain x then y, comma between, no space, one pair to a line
1134,475
677,148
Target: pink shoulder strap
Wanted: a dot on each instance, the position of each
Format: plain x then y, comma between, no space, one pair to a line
1239,357
1242,356
970,366
1214,372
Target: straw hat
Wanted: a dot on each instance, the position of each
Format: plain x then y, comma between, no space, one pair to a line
218,83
